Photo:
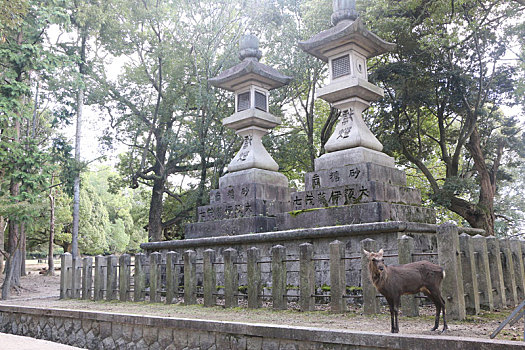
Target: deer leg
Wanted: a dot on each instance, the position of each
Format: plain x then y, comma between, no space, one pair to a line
393,317
445,327
437,303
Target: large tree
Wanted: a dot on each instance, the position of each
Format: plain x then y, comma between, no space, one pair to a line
161,106
445,84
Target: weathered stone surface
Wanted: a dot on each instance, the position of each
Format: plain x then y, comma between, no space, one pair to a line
352,156
230,227
363,192
354,214
482,262
150,335
470,273
449,258
496,272
253,176
246,208
352,174
509,274
249,192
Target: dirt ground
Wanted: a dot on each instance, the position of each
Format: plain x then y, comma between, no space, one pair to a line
43,291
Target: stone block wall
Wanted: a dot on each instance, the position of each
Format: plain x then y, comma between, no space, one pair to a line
106,331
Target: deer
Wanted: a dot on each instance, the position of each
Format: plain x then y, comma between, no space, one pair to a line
397,280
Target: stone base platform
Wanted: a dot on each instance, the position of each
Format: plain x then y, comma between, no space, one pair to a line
228,227
354,214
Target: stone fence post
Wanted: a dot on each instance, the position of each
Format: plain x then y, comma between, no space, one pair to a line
87,277
306,277
337,277
124,275
486,297
405,249
370,302
253,270
172,277
76,277
209,279
154,277
279,277
517,258
139,276
101,273
190,277
112,284
65,279
509,275
496,272
231,278
450,259
470,272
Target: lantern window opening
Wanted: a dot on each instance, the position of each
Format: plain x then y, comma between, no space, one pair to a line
243,101
340,66
260,100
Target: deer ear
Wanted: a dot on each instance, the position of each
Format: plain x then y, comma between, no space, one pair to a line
380,252
367,253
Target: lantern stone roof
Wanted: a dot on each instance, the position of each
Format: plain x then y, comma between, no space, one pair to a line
250,70
345,32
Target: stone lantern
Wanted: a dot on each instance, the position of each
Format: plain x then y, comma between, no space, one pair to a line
251,81
253,191
346,47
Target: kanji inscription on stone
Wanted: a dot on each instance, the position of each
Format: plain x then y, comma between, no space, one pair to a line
231,192
316,181
363,192
347,118
245,191
334,197
243,155
298,201
309,199
354,173
334,176
321,198
217,196
349,195
247,141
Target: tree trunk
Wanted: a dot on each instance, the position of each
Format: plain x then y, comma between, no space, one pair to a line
2,248
78,137
13,262
155,211
50,262
23,249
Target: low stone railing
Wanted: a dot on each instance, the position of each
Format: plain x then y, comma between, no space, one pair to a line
480,272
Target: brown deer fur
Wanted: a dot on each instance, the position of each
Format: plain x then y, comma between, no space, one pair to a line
396,280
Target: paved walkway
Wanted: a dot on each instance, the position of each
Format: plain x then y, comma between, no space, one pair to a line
16,342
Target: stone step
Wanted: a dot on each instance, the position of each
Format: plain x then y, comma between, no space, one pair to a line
352,174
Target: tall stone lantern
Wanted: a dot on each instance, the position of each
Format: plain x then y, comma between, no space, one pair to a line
253,190
251,82
346,47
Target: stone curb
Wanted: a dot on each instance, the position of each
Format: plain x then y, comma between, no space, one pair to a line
293,333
